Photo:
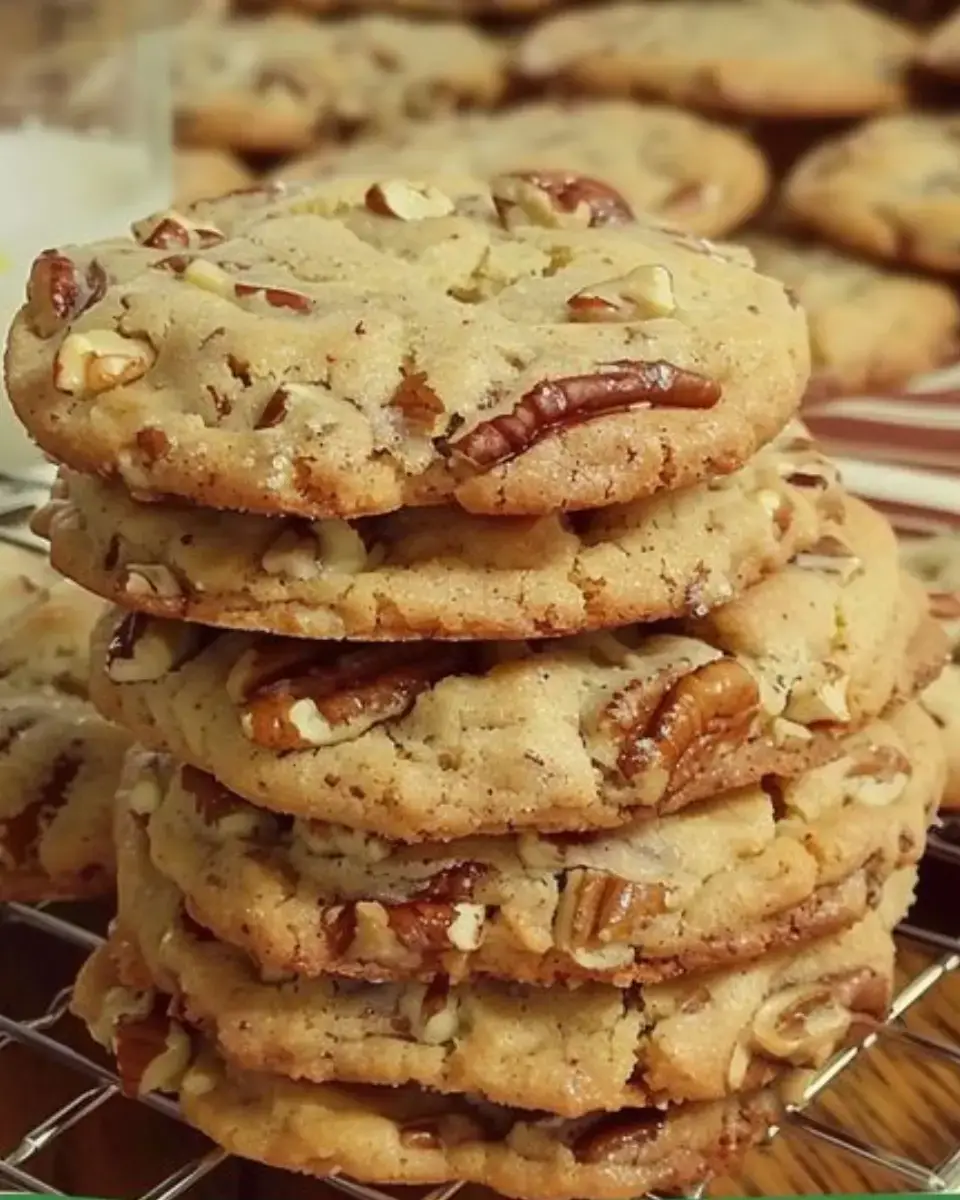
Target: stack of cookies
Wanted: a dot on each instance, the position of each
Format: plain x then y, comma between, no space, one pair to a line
530,775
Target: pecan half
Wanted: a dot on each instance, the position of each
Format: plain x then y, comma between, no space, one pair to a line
297,696
540,197
619,1137
556,403
596,908
712,703
57,291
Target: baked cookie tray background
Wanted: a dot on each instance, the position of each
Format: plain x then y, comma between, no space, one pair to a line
881,1118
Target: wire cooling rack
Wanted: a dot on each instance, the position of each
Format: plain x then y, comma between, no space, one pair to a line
933,927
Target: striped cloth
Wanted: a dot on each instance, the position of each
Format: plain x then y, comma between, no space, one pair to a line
900,451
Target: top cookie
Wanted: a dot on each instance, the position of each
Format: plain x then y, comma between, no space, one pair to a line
766,58
343,349
889,188
284,83
671,164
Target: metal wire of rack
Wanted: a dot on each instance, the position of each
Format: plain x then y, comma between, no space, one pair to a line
37,1034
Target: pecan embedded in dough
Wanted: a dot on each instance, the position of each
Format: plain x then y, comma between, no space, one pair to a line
619,1137
296,696
57,291
597,908
568,193
555,403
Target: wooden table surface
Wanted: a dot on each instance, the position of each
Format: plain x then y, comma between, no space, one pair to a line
893,1096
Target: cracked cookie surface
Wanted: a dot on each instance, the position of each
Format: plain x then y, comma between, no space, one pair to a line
869,327
443,573
526,348
720,882
766,59
888,188
567,1051
436,740
407,1135
672,165
283,83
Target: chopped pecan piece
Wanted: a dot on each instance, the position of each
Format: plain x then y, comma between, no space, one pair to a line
715,702
545,197
57,292
152,1052
171,229
596,908
275,297
142,650
407,201
422,926
296,696
416,399
619,1137
453,884
218,807
21,833
945,606
338,927
801,1025
100,360
555,403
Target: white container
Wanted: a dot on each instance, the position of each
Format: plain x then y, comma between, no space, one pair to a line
85,144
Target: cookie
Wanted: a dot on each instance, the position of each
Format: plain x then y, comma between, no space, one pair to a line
708,886
405,1135
936,561
59,768
439,740
762,58
941,51
283,83
888,188
869,327
200,174
59,761
565,1051
356,363
672,165
440,572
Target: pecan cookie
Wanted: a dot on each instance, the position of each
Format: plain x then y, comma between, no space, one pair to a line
440,572
673,165
720,882
345,350
869,327
405,1134
59,761
566,1051
283,83
199,174
936,561
889,188
437,740
764,58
